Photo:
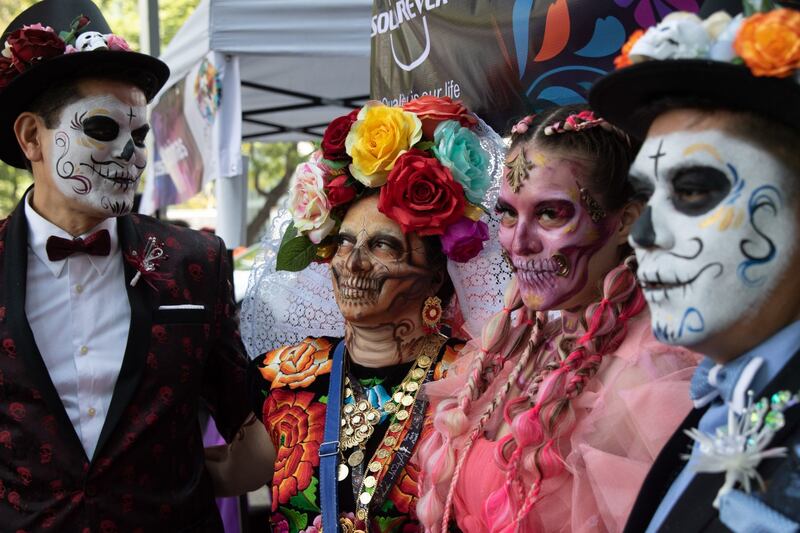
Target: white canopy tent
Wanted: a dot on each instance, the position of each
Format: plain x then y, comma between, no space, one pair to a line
302,63
290,67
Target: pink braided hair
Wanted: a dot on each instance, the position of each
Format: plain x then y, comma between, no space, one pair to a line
535,432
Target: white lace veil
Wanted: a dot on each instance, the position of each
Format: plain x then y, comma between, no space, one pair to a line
283,308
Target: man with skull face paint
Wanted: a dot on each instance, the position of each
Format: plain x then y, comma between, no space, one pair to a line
544,425
716,246
114,326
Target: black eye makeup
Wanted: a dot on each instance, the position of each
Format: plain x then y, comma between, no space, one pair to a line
642,187
101,128
697,190
139,135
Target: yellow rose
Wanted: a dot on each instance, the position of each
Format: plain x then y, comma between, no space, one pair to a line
769,43
379,136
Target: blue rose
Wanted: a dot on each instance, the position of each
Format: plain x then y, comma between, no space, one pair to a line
459,149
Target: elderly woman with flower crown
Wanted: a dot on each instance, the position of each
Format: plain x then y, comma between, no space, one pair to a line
392,197
551,424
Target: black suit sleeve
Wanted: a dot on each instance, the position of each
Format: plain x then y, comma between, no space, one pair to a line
224,381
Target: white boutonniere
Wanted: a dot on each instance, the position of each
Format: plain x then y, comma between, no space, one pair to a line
738,447
147,261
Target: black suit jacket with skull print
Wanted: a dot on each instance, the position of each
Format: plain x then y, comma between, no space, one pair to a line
148,472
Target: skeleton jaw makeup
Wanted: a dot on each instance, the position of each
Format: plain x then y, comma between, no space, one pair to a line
98,153
379,274
551,229
717,234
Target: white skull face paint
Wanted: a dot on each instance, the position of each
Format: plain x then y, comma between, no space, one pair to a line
717,234
99,153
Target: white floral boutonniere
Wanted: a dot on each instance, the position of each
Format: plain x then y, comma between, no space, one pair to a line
738,448
147,261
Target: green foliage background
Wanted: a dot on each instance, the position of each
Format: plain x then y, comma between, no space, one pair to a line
123,17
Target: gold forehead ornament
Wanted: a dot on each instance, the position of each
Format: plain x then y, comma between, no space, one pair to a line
518,169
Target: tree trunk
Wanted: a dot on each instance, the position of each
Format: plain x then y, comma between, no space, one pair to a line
256,226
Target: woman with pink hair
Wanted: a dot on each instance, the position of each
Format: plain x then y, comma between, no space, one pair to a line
550,421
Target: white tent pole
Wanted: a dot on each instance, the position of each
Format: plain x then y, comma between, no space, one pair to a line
149,34
149,43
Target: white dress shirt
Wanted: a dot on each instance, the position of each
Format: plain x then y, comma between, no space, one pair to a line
79,313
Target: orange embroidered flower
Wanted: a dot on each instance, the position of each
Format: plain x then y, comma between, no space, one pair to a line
623,59
299,365
295,423
451,353
769,43
404,491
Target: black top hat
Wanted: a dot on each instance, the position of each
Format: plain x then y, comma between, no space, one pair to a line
626,97
144,71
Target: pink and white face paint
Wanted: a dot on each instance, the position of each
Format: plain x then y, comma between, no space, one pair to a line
99,154
549,232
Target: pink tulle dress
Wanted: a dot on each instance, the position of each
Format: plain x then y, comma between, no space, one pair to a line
625,415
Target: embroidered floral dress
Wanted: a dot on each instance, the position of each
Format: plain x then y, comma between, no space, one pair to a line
289,388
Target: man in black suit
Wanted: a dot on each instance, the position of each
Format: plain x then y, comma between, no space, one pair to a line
113,326
718,107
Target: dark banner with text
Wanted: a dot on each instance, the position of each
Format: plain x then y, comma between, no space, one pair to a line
503,58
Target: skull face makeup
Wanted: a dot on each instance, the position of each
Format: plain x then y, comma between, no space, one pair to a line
553,232
718,232
379,274
98,153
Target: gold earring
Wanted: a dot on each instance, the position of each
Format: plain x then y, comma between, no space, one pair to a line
432,315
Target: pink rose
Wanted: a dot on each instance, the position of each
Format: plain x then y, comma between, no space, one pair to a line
464,240
116,43
308,203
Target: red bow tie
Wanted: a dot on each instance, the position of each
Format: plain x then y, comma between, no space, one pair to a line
98,243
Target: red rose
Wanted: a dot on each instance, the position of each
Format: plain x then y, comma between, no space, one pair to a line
7,71
335,134
421,195
30,44
338,192
432,110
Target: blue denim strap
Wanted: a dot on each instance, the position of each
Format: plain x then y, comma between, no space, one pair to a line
329,449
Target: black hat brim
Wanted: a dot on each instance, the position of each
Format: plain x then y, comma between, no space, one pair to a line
141,70
627,97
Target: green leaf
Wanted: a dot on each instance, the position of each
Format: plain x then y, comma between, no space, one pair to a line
296,254
335,165
289,234
323,399
388,506
307,500
390,525
297,521
424,145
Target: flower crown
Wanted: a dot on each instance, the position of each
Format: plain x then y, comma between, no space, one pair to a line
424,158
31,44
748,39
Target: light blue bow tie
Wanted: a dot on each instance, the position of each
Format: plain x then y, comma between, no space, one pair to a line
711,380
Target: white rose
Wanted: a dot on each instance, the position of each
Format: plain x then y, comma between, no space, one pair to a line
722,50
309,204
716,24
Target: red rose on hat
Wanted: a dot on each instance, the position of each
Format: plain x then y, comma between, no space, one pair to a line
7,71
33,43
432,110
421,195
335,135
338,191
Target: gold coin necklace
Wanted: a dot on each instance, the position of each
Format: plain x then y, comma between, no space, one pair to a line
406,417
